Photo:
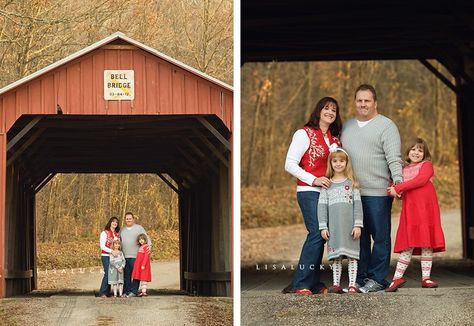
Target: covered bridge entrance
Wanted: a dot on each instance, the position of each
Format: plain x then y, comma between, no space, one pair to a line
177,124
378,30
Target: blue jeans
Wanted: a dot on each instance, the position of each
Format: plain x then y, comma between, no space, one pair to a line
129,285
104,286
307,274
375,263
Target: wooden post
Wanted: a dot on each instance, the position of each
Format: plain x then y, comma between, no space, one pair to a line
465,103
3,166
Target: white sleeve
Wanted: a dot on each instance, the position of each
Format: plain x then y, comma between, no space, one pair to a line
103,240
299,145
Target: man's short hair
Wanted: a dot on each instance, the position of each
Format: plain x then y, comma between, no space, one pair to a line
129,213
366,87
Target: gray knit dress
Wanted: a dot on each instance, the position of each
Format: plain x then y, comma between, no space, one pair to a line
340,210
116,277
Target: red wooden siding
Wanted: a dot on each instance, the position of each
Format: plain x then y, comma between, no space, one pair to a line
3,182
77,86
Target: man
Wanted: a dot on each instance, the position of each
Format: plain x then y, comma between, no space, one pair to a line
373,142
130,248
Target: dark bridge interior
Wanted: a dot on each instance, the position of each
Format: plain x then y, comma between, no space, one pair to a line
191,150
377,30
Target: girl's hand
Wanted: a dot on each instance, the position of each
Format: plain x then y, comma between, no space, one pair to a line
325,234
322,182
120,269
356,233
391,191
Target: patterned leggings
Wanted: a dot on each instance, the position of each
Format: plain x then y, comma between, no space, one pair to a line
404,261
337,271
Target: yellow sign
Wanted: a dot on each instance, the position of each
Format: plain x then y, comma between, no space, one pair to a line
119,85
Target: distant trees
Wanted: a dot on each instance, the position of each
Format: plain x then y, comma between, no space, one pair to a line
277,99
34,34
75,206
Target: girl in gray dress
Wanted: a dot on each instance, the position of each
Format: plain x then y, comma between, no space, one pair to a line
116,266
340,217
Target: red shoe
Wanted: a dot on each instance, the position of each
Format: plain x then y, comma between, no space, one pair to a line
303,292
398,283
352,290
429,283
335,289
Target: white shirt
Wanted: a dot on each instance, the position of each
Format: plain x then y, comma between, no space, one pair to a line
299,145
363,123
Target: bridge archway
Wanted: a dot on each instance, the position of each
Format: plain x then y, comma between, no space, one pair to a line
179,126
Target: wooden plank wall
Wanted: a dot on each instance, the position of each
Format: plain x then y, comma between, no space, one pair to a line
160,88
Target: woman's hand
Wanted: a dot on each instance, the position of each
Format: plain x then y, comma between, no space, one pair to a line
322,182
325,234
356,233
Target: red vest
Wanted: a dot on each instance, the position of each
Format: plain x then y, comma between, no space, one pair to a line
315,159
111,235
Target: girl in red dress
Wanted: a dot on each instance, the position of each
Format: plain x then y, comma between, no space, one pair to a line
142,267
419,231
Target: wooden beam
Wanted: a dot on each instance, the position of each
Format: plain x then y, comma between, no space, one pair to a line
213,148
23,147
208,276
215,132
168,183
44,182
204,157
440,76
23,132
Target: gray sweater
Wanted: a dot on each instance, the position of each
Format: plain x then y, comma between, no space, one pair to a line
340,210
375,154
129,240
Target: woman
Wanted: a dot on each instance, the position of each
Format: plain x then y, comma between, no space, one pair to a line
110,233
307,161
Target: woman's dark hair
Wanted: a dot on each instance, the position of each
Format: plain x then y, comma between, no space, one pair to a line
109,223
336,126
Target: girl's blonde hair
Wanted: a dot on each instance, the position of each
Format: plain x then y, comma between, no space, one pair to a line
119,243
348,171
418,142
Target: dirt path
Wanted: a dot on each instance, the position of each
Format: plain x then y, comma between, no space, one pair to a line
78,305
283,244
165,275
268,255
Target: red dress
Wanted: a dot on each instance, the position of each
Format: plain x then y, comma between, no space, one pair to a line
420,223
142,260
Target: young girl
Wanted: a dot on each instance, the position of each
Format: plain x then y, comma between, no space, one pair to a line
116,266
142,268
419,231
340,217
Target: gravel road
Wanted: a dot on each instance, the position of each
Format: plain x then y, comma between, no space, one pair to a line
269,254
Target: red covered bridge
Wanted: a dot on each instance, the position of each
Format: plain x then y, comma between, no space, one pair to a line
164,118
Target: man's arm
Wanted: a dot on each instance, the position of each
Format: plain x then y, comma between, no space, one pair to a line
391,145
